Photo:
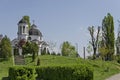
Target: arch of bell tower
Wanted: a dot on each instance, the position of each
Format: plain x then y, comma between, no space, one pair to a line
23,29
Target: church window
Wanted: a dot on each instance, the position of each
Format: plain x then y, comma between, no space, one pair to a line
20,29
23,29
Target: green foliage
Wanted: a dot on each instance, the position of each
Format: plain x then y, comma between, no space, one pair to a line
69,72
102,69
55,72
31,48
22,73
103,52
118,58
4,67
5,48
108,35
68,49
27,18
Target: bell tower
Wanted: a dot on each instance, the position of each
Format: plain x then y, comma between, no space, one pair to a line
23,29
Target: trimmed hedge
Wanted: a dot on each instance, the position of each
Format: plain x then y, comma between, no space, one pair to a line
76,72
22,73
66,72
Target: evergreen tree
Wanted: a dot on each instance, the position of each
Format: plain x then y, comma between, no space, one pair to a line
108,35
5,48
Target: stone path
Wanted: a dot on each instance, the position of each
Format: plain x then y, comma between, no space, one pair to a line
19,60
114,77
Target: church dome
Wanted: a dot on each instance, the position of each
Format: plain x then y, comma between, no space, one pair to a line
34,31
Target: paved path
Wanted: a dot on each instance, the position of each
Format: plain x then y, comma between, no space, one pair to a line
114,77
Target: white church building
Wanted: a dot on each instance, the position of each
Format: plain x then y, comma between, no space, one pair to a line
31,34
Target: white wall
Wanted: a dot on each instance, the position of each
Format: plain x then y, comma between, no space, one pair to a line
33,37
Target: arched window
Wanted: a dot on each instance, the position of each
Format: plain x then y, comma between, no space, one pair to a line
23,29
20,29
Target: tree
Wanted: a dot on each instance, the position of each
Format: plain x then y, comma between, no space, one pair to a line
103,52
52,46
31,48
68,49
89,49
34,50
5,48
26,48
27,18
108,35
94,40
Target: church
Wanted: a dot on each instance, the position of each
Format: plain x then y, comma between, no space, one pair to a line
26,33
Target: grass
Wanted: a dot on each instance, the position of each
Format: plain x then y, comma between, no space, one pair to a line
102,69
4,66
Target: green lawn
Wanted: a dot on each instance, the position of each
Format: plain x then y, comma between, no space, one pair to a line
4,66
102,69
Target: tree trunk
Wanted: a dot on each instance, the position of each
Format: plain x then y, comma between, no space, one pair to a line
94,54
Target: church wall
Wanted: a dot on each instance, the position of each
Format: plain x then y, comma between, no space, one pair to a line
24,36
34,37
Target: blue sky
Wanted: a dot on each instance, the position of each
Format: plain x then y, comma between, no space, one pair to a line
58,20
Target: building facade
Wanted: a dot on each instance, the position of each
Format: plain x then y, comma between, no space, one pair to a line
26,33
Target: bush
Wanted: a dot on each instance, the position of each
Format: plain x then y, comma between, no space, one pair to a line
22,73
66,72
118,58
74,72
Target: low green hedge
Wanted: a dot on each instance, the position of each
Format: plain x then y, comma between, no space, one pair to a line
66,72
22,73
74,72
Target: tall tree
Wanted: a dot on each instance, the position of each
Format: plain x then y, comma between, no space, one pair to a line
108,35
27,18
68,49
94,40
5,48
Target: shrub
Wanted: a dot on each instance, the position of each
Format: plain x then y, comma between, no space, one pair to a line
22,73
74,72
54,72
118,58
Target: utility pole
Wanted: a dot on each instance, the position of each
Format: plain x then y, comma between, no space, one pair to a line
84,52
